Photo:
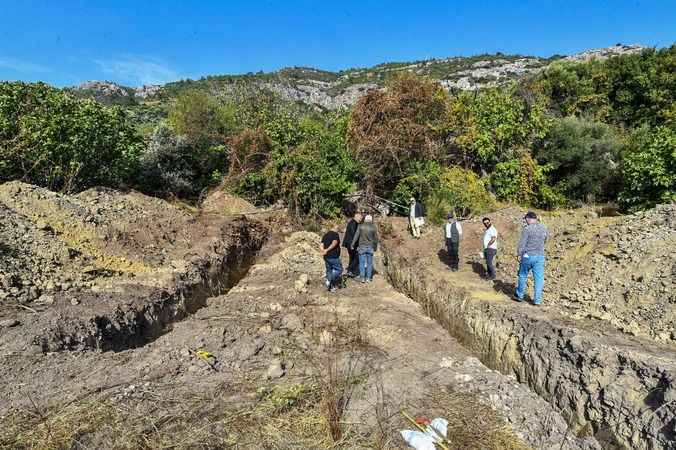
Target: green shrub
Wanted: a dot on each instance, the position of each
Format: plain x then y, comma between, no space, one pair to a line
491,127
460,191
583,158
524,182
202,119
316,176
422,179
53,140
172,165
649,168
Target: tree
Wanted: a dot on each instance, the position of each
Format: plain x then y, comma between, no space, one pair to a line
53,140
490,127
583,157
201,118
649,168
389,130
524,181
460,191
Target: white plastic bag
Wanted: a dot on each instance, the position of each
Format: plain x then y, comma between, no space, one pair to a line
425,441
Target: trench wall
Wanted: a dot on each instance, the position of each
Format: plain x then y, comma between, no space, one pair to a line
622,393
215,266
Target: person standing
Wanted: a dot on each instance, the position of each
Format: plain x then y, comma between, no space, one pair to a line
416,217
452,236
330,250
531,256
350,230
490,245
366,238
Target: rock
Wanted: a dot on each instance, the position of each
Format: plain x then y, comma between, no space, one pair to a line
8,323
46,299
42,225
275,307
276,350
250,349
74,301
265,329
275,370
292,322
301,284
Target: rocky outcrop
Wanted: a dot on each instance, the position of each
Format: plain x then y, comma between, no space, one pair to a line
618,390
607,52
334,90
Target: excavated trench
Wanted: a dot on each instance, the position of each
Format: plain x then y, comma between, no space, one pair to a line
144,314
618,391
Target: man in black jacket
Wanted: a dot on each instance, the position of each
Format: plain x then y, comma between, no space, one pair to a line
350,229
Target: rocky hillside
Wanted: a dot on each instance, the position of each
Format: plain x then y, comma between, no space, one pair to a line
333,90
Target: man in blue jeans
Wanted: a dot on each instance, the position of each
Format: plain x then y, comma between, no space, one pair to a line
330,250
531,255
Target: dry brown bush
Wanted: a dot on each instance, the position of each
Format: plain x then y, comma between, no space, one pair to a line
249,151
390,129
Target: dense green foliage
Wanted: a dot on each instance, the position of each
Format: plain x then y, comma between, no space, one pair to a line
583,158
592,131
51,139
649,168
459,191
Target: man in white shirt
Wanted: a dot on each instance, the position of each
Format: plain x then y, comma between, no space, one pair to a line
490,245
452,236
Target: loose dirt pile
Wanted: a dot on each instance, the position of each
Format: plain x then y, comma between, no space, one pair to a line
107,270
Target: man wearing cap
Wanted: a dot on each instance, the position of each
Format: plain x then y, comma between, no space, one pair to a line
452,236
531,256
416,218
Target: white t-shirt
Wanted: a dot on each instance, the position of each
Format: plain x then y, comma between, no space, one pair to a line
488,234
412,211
448,229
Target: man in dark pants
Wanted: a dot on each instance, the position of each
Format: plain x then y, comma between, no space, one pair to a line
350,230
452,236
330,250
490,244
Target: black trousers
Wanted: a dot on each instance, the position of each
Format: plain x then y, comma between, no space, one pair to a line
489,254
452,249
353,262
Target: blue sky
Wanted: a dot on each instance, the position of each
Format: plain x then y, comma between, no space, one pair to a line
66,42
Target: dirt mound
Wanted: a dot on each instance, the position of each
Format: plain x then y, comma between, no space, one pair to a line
222,202
105,269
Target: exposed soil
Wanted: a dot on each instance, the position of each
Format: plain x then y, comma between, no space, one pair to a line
280,350
131,322
616,385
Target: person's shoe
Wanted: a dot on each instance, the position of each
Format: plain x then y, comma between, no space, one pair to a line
368,281
362,280
537,304
327,283
516,298
332,289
